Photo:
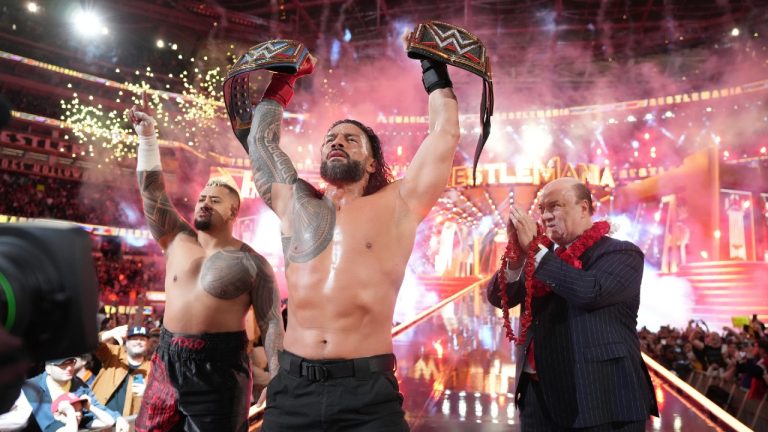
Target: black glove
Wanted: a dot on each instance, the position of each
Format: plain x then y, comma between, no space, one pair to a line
434,75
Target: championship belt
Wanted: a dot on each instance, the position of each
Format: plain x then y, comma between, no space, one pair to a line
455,46
280,55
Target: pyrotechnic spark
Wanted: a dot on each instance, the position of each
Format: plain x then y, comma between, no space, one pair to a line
190,116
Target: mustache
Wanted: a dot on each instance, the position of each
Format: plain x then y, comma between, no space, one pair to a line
337,150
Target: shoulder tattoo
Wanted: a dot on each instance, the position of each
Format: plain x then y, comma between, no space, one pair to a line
314,219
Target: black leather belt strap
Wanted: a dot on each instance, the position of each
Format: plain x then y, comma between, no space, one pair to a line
322,370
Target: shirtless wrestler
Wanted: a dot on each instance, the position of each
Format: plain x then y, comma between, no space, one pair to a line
346,251
201,377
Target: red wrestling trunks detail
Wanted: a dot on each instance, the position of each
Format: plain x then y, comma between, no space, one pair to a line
158,411
190,343
198,383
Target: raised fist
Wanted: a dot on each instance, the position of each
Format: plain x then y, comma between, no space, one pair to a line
141,118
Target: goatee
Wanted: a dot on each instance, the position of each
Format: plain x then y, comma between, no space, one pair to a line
342,173
202,224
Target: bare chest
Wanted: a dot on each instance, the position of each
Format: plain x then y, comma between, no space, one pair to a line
224,274
319,227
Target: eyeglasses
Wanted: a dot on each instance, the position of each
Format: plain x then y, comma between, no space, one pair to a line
67,362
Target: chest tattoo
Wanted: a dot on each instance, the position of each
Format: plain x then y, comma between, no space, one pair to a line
227,274
314,219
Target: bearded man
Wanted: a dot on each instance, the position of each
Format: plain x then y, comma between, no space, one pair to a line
201,376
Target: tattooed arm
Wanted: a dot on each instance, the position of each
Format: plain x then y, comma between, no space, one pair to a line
312,219
266,306
163,219
273,171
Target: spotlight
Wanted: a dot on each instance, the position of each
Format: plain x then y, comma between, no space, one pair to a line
33,7
160,43
735,31
536,140
174,47
88,23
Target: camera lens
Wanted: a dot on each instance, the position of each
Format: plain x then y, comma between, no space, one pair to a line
48,289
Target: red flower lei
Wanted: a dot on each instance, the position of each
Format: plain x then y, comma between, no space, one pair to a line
534,287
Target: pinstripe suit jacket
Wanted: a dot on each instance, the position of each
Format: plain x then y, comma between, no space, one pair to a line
587,352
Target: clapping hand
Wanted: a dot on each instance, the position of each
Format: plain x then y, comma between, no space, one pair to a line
523,226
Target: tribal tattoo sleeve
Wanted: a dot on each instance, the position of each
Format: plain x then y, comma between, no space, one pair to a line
266,306
269,163
163,219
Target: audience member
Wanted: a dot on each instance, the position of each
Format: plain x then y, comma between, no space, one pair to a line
57,379
84,369
125,367
733,355
45,197
72,412
153,342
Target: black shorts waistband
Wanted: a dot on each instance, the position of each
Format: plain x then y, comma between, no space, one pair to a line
322,370
205,343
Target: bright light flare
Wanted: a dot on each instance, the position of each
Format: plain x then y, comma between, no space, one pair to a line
88,23
438,349
659,393
536,140
33,7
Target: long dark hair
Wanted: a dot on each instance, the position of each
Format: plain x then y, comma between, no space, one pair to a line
383,175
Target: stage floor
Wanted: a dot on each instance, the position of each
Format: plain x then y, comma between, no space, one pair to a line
457,372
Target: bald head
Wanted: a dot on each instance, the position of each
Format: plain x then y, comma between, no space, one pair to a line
566,209
580,190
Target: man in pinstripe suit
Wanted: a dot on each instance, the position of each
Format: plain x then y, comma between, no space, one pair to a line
579,367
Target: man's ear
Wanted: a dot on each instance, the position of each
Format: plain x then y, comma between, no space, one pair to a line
585,207
371,168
